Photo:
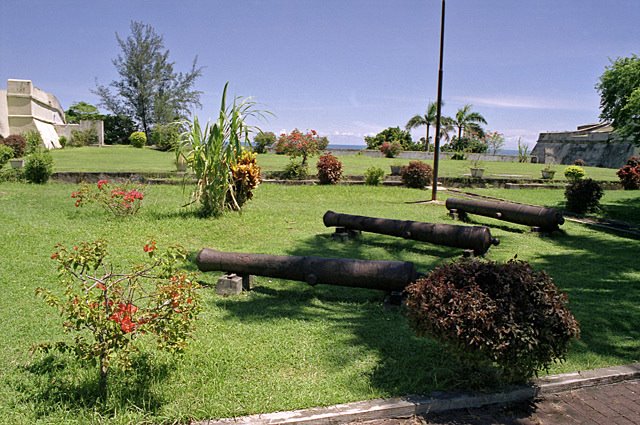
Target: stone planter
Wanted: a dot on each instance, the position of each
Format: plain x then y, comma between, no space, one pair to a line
477,172
17,162
395,169
547,174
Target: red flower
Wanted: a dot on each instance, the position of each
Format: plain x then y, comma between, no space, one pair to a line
101,286
55,256
102,183
150,247
127,325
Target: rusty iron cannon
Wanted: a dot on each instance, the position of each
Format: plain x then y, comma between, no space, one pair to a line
476,238
544,219
392,276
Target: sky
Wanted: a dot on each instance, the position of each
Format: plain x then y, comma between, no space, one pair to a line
346,68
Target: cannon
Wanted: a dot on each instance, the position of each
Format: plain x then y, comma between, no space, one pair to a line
392,276
476,238
545,219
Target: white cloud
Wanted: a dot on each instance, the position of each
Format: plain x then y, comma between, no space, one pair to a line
526,102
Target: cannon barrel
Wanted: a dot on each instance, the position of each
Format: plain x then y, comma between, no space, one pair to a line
547,219
477,238
383,275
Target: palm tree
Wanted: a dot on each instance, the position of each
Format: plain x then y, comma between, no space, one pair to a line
465,120
428,119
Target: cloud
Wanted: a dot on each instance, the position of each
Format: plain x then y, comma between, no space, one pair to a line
526,102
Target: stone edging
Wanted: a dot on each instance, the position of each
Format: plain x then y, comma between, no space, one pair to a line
438,402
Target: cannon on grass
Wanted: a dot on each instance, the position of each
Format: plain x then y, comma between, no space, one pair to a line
475,238
539,218
390,276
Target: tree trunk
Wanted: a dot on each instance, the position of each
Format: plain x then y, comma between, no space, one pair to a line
426,141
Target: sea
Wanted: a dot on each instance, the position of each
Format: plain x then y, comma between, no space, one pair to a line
336,147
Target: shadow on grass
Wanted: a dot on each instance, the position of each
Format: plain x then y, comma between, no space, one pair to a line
602,278
623,209
57,381
405,363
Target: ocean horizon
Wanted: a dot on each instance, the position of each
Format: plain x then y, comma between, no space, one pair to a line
337,147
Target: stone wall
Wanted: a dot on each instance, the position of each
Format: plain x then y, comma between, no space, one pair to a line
597,149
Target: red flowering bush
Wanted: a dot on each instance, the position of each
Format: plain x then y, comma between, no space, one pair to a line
111,311
417,174
329,169
120,200
629,174
297,144
17,143
391,150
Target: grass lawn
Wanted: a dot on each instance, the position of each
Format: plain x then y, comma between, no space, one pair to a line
127,158
284,345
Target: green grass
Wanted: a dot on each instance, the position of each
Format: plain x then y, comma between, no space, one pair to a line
127,158
284,345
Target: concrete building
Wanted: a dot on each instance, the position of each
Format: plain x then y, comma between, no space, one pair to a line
24,107
596,144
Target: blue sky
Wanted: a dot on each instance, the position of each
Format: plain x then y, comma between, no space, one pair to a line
346,68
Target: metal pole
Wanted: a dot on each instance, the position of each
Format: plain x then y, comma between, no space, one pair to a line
436,152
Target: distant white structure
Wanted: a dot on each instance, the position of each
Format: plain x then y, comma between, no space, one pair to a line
24,107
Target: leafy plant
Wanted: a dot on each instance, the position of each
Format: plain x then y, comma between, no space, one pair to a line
507,314
38,167
295,170
329,169
111,311
629,174
120,200
391,134
391,150
166,136
86,137
583,196
417,174
574,173
523,151
6,153
263,141
63,141
33,141
296,144
138,139
373,176
17,143
246,177
212,153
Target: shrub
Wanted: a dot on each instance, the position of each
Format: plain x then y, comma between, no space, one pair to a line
11,174
373,176
111,311
391,150
629,174
117,129
579,162
390,134
507,314
574,173
138,139
17,143
120,200
417,174
84,137
583,196
166,136
6,153
295,171
262,141
297,144
33,141
246,177
38,167
63,141
329,169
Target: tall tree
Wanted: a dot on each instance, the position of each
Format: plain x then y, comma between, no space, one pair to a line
467,120
428,119
619,89
149,90
82,111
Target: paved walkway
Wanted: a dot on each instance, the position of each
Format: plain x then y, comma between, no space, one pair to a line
613,404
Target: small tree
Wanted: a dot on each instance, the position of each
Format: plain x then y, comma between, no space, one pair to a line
263,141
494,141
391,134
296,144
82,111
149,89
